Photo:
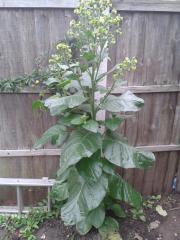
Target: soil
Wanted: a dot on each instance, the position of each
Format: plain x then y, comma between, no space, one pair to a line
168,228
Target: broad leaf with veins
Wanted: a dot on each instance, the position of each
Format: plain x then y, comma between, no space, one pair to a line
81,144
117,151
127,102
57,104
85,195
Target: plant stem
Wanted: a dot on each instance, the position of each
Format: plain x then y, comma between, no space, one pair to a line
93,113
106,95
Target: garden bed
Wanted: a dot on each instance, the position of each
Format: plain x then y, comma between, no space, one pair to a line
165,228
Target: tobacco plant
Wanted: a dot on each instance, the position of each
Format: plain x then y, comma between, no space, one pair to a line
87,182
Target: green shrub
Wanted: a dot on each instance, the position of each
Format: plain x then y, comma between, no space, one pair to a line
87,183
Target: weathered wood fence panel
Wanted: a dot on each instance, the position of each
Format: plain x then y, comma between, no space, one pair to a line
26,34
152,36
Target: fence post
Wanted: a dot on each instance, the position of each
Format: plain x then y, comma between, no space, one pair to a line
20,203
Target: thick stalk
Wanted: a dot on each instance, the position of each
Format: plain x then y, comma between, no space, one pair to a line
106,95
93,113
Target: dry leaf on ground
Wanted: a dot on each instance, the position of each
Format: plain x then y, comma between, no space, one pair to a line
153,225
161,211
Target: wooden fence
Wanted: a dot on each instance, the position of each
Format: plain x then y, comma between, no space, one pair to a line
30,29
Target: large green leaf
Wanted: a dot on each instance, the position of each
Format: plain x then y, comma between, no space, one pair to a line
121,190
56,134
64,176
91,125
51,80
84,197
90,168
73,84
96,217
118,211
80,144
83,227
38,104
113,123
57,104
108,167
127,102
60,191
69,118
109,226
118,152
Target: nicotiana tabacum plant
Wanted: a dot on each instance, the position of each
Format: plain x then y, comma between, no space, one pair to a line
87,182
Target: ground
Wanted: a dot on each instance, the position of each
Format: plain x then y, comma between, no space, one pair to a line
165,228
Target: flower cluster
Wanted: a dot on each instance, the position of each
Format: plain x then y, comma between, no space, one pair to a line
64,54
97,24
126,65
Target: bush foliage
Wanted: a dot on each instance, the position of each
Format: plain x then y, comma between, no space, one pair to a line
87,182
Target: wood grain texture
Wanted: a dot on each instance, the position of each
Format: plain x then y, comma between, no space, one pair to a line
26,167
176,139
14,210
148,89
38,4
25,182
119,90
178,175
160,173
153,6
148,6
57,152
171,171
158,122
153,37
142,34
29,34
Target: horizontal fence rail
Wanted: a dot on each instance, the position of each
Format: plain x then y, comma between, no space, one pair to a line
149,89
148,6
57,152
144,6
118,90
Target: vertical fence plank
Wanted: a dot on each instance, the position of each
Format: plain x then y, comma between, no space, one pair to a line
171,172
160,172
178,176
31,33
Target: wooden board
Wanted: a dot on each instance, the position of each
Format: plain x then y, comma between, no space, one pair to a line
29,34
148,89
57,152
178,175
171,172
153,37
158,122
25,182
119,90
148,6
138,5
176,138
142,34
8,210
38,4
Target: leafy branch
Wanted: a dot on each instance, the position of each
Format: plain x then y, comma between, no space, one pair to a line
87,181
